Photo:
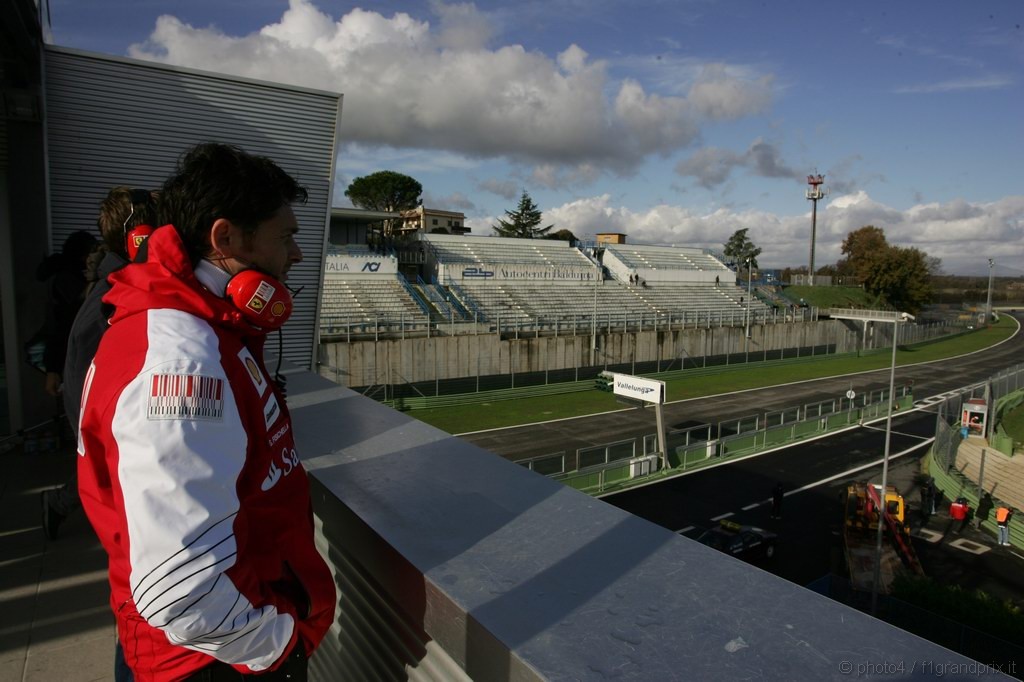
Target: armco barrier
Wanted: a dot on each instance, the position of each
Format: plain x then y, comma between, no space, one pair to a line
686,458
428,402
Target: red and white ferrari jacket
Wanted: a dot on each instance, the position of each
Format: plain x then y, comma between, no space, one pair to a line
189,474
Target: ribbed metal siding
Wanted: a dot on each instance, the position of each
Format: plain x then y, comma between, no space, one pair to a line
123,122
372,638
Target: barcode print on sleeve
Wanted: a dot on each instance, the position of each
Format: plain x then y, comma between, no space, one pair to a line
186,396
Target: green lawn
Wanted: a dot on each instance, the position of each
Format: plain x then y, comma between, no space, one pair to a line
1013,422
832,297
733,378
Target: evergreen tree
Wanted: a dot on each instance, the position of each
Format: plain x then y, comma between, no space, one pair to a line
522,222
739,248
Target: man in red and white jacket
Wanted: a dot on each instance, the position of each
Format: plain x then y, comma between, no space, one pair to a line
188,469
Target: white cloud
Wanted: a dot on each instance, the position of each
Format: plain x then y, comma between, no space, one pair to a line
508,189
712,166
993,82
457,201
963,234
411,83
551,176
718,94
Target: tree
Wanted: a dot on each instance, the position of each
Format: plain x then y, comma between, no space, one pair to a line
563,235
862,249
900,275
385,191
739,248
522,222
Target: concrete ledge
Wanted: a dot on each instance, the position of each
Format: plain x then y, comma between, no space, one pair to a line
478,563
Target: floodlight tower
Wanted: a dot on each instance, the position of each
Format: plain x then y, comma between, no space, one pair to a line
988,305
814,192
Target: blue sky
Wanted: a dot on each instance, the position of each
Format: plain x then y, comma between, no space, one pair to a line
675,121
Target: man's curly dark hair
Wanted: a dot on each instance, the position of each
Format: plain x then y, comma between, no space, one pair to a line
214,180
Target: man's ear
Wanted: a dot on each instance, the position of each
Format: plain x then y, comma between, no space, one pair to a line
224,238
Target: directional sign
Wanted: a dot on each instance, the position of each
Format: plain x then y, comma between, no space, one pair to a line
647,390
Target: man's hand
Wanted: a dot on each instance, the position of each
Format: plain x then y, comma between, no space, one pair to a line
53,386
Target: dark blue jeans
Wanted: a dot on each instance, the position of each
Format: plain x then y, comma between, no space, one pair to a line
122,673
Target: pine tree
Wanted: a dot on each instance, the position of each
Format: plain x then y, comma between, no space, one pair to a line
522,222
739,248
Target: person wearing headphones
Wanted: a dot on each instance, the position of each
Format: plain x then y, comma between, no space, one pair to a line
126,217
188,469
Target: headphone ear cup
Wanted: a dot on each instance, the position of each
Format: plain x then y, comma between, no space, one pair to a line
134,238
263,301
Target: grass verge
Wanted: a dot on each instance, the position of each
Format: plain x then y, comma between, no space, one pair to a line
505,413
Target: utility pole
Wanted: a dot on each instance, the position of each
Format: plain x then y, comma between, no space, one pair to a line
988,306
814,192
746,341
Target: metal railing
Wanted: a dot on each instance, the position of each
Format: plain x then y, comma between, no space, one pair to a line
706,444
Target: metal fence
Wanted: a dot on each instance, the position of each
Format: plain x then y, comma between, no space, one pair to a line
480,383
335,328
947,429
609,466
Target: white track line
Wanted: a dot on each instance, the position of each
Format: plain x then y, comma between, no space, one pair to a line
831,478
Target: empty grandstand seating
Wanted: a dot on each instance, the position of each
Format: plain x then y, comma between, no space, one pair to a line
540,283
510,301
499,250
666,258
356,300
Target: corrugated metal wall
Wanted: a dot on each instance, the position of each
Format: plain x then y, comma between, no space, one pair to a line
112,121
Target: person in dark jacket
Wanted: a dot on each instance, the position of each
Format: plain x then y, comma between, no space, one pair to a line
122,212
778,495
64,274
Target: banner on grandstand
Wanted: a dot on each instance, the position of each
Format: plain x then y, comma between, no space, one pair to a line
647,390
360,265
488,272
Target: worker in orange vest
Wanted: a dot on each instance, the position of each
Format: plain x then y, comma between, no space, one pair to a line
1003,516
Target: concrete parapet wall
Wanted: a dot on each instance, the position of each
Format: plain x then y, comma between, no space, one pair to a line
454,564
391,361
1004,476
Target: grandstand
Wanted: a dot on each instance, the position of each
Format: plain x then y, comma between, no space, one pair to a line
652,258
363,288
499,250
532,284
517,281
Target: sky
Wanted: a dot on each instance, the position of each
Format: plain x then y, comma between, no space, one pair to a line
673,121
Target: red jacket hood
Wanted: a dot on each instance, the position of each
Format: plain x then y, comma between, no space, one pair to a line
167,280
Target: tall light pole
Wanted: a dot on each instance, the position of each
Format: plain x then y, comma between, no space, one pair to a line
814,192
897,318
988,306
746,340
593,318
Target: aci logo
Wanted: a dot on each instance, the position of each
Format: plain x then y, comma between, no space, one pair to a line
372,266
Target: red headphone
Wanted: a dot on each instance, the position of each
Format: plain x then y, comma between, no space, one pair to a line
263,300
134,237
